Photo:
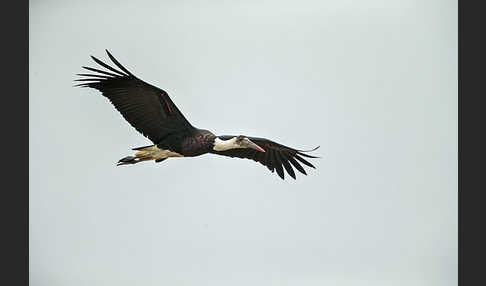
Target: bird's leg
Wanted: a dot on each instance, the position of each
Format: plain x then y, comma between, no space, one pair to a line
140,156
148,153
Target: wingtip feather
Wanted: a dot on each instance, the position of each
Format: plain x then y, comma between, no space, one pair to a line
118,63
301,152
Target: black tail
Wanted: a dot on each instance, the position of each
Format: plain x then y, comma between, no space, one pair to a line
128,160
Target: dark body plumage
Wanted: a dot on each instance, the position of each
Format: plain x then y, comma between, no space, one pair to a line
151,112
190,143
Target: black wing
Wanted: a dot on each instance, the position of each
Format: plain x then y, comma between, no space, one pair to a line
147,108
276,156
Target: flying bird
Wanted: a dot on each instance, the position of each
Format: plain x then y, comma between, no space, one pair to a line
152,112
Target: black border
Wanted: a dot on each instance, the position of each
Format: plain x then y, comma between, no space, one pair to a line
14,25
471,143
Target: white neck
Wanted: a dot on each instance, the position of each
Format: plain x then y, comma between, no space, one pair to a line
223,145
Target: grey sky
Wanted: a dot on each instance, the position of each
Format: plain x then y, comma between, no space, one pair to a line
374,83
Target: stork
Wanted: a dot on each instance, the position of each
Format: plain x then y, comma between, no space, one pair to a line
151,112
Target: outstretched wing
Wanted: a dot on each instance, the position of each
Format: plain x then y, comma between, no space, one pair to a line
276,156
147,108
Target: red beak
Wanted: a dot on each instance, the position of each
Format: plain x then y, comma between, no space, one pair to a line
256,147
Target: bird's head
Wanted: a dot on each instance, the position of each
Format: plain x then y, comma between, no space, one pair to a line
243,142
223,143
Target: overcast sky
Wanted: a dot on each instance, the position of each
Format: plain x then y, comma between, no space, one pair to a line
374,83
